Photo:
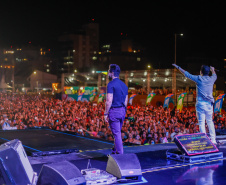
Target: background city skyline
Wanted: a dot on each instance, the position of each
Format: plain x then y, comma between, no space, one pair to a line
152,24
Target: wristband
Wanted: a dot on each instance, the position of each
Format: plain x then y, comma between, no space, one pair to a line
105,114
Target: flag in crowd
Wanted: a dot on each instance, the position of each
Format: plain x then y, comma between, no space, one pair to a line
150,97
101,97
131,98
218,103
92,96
181,101
80,96
167,100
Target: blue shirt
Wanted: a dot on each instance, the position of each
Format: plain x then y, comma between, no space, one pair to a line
119,91
204,86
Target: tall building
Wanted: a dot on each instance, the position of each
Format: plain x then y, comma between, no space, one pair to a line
126,53
77,49
17,64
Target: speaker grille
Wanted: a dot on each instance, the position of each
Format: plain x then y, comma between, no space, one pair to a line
127,161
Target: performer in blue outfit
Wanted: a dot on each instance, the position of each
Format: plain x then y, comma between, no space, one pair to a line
115,108
204,99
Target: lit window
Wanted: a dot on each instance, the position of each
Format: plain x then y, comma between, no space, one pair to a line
94,58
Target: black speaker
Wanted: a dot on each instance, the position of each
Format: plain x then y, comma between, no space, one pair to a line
15,167
124,166
60,173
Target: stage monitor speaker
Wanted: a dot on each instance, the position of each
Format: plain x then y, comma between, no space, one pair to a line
60,173
124,166
14,164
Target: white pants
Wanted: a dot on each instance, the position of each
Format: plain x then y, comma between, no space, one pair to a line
204,111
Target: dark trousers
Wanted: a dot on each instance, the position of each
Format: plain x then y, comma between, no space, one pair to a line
116,118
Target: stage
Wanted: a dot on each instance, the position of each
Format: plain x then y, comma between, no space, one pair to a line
44,146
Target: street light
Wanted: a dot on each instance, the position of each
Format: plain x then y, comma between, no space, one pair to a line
148,79
175,35
174,81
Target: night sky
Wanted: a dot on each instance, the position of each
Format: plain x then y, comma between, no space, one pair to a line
152,24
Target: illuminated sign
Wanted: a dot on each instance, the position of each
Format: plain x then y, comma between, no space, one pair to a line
194,144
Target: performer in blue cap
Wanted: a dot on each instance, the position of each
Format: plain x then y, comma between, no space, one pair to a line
204,99
115,108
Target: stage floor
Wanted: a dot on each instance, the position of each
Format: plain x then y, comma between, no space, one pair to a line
156,168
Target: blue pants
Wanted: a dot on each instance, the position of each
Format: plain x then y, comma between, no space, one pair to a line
204,111
116,118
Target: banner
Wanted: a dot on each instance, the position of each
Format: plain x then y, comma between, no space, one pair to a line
167,100
150,97
180,101
80,96
131,98
89,90
218,103
92,96
101,97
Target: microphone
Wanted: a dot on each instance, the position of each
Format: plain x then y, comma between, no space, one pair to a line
217,70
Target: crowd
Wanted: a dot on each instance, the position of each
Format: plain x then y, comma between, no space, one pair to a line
142,125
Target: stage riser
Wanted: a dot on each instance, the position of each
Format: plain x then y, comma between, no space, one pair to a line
173,155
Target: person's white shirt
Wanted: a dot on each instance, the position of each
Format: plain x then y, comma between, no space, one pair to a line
6,126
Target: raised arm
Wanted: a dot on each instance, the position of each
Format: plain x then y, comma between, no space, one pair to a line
179,68
187,74
212,69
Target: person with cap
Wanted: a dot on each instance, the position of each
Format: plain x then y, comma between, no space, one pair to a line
115,107
204,97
